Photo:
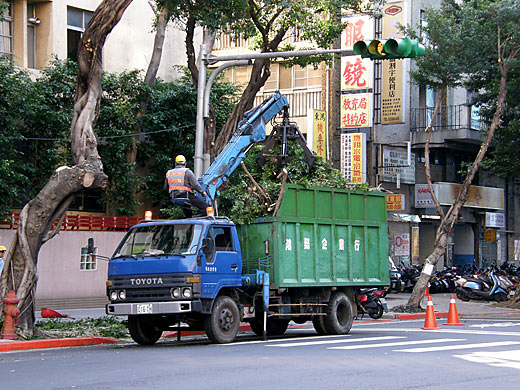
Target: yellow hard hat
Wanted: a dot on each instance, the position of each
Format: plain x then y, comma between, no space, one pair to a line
180,159
2,248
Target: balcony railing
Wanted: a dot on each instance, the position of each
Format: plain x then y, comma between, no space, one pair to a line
448,118
300,102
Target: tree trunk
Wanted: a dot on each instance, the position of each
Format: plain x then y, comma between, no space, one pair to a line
39,215
259,75
448,220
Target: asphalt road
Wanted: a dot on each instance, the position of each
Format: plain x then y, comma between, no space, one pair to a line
483,353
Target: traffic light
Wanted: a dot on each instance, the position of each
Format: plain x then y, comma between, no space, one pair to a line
386,49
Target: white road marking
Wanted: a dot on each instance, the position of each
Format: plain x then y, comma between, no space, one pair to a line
459,346
509,359
311,337
457,331
321,342
395,344
496,325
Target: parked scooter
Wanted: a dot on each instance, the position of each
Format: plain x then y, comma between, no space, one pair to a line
372,301
396,284
477,288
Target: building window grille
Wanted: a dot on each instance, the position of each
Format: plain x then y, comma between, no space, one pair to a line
88,261
77,21
6,30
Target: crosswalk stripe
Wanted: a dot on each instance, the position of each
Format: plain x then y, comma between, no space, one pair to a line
510,359
459,346
321,342
310,337
363,346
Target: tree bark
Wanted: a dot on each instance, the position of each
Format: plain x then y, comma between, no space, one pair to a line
39,215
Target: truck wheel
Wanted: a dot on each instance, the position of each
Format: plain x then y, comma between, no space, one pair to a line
143,330
339,314
319,325
222,324
275,327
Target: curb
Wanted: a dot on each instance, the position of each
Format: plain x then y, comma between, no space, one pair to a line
7,346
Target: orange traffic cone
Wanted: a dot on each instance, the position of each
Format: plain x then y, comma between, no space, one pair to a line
453,317
49,313
430,322
426,291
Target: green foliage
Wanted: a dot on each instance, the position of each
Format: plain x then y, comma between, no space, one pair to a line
242,201
171,114
106,326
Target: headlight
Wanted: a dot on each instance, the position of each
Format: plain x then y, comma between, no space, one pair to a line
122,294
175,292
186,293
113,295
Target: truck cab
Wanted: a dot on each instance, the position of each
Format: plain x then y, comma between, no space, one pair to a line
167,272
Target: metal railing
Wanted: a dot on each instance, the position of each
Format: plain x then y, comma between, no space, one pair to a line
300,102
78,222
448,118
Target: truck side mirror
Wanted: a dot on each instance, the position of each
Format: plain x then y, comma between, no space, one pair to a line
90,246
207,246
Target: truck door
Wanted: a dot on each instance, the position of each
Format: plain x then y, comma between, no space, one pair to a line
223,267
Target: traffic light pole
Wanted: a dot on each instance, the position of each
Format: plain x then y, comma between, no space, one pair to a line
204,87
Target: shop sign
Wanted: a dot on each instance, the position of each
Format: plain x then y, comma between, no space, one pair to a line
355,110
320,133
423,197
447,193
395,202
353,157
496,220
395,162
402,244
490,235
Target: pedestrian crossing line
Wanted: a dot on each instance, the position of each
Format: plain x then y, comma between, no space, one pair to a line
321,342
394,344
509,359
360,330
459,346
311,337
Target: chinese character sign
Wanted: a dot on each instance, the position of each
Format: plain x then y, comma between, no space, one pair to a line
319,143
355,110
357,29
392,75
355,73
353,157
394,202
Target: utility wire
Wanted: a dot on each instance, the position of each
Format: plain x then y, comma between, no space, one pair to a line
104,137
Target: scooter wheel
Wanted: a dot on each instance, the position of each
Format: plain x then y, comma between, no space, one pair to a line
462,295
500,297
376,313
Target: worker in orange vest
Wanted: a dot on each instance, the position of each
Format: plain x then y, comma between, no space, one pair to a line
182,184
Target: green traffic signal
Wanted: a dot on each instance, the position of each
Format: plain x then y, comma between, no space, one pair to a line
383,49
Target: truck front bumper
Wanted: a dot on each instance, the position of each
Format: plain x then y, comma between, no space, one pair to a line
124,309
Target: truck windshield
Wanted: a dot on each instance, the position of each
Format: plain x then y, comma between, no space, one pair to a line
156,240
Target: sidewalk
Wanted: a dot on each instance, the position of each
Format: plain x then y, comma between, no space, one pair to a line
441,303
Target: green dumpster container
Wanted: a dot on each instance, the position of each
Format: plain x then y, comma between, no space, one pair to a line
320,237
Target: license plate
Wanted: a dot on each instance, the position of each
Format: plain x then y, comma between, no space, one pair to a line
144,309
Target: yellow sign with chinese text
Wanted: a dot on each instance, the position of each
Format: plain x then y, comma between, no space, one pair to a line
355,110
395,202
319,125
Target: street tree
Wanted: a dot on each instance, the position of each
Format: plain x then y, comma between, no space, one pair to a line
269,24
493,27
38,217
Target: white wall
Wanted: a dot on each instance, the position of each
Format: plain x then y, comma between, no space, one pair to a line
59,271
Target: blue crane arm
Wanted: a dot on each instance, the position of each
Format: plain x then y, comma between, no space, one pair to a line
250,130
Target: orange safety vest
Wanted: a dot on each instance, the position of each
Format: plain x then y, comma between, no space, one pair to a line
175,179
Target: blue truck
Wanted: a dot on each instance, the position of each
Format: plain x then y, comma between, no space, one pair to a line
307,263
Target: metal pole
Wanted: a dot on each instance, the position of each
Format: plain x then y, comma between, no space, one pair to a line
199,132
281,54
213,77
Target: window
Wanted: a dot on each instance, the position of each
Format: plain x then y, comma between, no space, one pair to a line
77,21
223,240
88,261
32,22
6,30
